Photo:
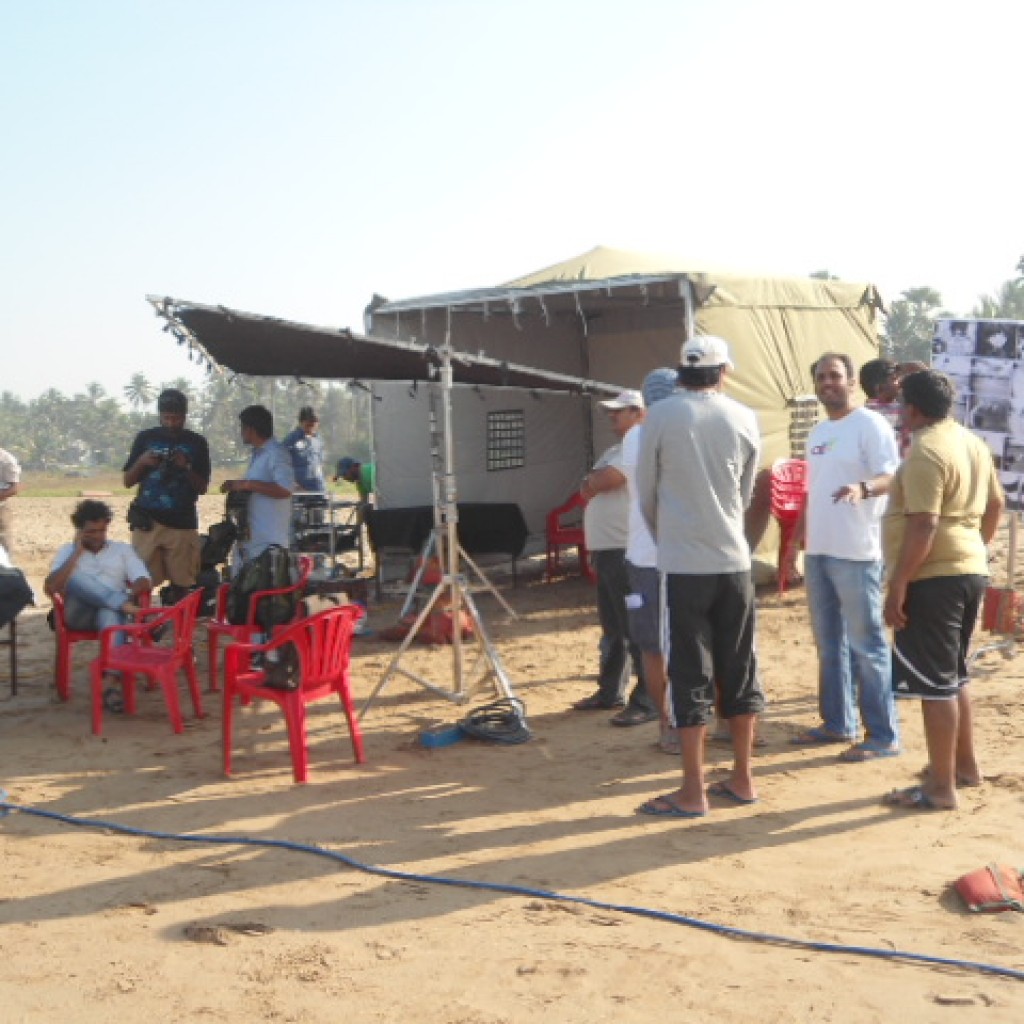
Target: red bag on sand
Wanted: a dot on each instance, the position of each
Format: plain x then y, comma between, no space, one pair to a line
991,889
436,630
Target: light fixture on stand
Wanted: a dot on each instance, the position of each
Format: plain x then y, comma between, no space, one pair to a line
451,592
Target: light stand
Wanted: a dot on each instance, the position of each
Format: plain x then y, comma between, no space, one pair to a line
452,585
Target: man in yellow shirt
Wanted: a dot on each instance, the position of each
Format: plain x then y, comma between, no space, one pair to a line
944,507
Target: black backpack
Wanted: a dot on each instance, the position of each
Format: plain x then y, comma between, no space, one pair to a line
272,569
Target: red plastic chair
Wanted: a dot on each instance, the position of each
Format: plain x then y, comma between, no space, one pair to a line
324,644
219,626
561,535
142,654
67,638
788,479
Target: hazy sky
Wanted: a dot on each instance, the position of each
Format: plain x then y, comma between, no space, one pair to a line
292,158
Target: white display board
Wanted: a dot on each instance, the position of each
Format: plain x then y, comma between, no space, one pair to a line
985,361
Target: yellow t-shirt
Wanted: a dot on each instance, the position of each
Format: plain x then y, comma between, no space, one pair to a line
949,473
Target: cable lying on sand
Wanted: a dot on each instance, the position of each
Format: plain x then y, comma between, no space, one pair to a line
6,807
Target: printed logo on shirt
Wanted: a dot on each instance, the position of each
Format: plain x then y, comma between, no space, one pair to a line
824,448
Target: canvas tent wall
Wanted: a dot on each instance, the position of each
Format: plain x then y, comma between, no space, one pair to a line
609,316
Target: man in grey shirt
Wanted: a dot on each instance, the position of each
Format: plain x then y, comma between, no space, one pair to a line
695,477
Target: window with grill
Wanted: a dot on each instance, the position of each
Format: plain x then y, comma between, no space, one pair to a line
804,411
506,440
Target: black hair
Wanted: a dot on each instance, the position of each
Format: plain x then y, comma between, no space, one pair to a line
841,357
698,377
874,374
258,418
91,511
930,392
307,414
172,400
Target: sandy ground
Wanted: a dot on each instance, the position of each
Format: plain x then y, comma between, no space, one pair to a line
98,926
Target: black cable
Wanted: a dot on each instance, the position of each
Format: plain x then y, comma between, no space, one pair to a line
504,721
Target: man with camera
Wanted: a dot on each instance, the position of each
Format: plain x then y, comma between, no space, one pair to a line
171,467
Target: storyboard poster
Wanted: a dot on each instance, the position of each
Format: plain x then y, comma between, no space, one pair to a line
985,361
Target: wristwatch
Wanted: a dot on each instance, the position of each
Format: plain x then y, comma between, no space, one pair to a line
865,489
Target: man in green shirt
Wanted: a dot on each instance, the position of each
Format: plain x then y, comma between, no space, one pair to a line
362,474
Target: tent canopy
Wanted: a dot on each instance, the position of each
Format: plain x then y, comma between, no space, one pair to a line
614,315
265,346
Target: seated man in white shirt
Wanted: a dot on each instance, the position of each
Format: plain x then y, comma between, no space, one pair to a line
100,580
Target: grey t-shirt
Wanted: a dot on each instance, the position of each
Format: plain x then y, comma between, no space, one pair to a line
695,477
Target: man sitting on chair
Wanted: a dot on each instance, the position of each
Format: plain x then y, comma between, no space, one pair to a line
101,580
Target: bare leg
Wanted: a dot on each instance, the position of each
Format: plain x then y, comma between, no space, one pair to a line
967,770
691,795
741,782
941,729
656,680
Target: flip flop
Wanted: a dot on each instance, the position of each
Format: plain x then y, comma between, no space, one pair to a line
665,807
723,789
913,798
861,752
818,736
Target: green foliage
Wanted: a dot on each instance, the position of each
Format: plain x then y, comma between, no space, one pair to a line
55,433
1008,301
910,325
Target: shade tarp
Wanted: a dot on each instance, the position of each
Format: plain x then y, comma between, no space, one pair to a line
266,346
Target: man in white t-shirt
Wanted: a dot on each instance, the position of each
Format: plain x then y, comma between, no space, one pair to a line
605,526
851,458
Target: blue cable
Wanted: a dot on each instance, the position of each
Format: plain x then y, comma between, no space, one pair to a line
518,890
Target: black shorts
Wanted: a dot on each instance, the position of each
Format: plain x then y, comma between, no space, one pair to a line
645,609
929,655
711,657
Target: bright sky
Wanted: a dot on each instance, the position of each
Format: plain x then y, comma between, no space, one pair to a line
292,158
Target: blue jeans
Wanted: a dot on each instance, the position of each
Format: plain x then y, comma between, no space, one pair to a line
92,604
845,600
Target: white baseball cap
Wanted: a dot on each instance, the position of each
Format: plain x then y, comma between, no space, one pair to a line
625,400
706,350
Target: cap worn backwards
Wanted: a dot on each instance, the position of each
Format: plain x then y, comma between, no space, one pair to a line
706,351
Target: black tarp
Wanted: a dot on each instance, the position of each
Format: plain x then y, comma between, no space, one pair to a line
264,346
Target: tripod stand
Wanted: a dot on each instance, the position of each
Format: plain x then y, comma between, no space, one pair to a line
452,585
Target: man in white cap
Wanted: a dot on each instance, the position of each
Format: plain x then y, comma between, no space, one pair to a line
698,458
605,526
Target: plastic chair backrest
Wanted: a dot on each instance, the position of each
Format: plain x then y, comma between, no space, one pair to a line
324,642
554,517
788,487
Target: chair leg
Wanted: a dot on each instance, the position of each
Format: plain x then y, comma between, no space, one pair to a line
193,686
295,719
212,679
227,723
345,693
64,671
169,684
96,680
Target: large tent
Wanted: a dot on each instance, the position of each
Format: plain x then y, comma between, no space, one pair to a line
611,316
532,355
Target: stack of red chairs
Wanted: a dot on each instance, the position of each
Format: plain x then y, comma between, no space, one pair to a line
788,496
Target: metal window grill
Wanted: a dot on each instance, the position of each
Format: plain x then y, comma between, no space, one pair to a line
506,440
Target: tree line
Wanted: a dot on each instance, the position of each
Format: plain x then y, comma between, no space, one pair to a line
93,429
909,326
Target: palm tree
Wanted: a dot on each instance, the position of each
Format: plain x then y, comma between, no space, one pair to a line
138,391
